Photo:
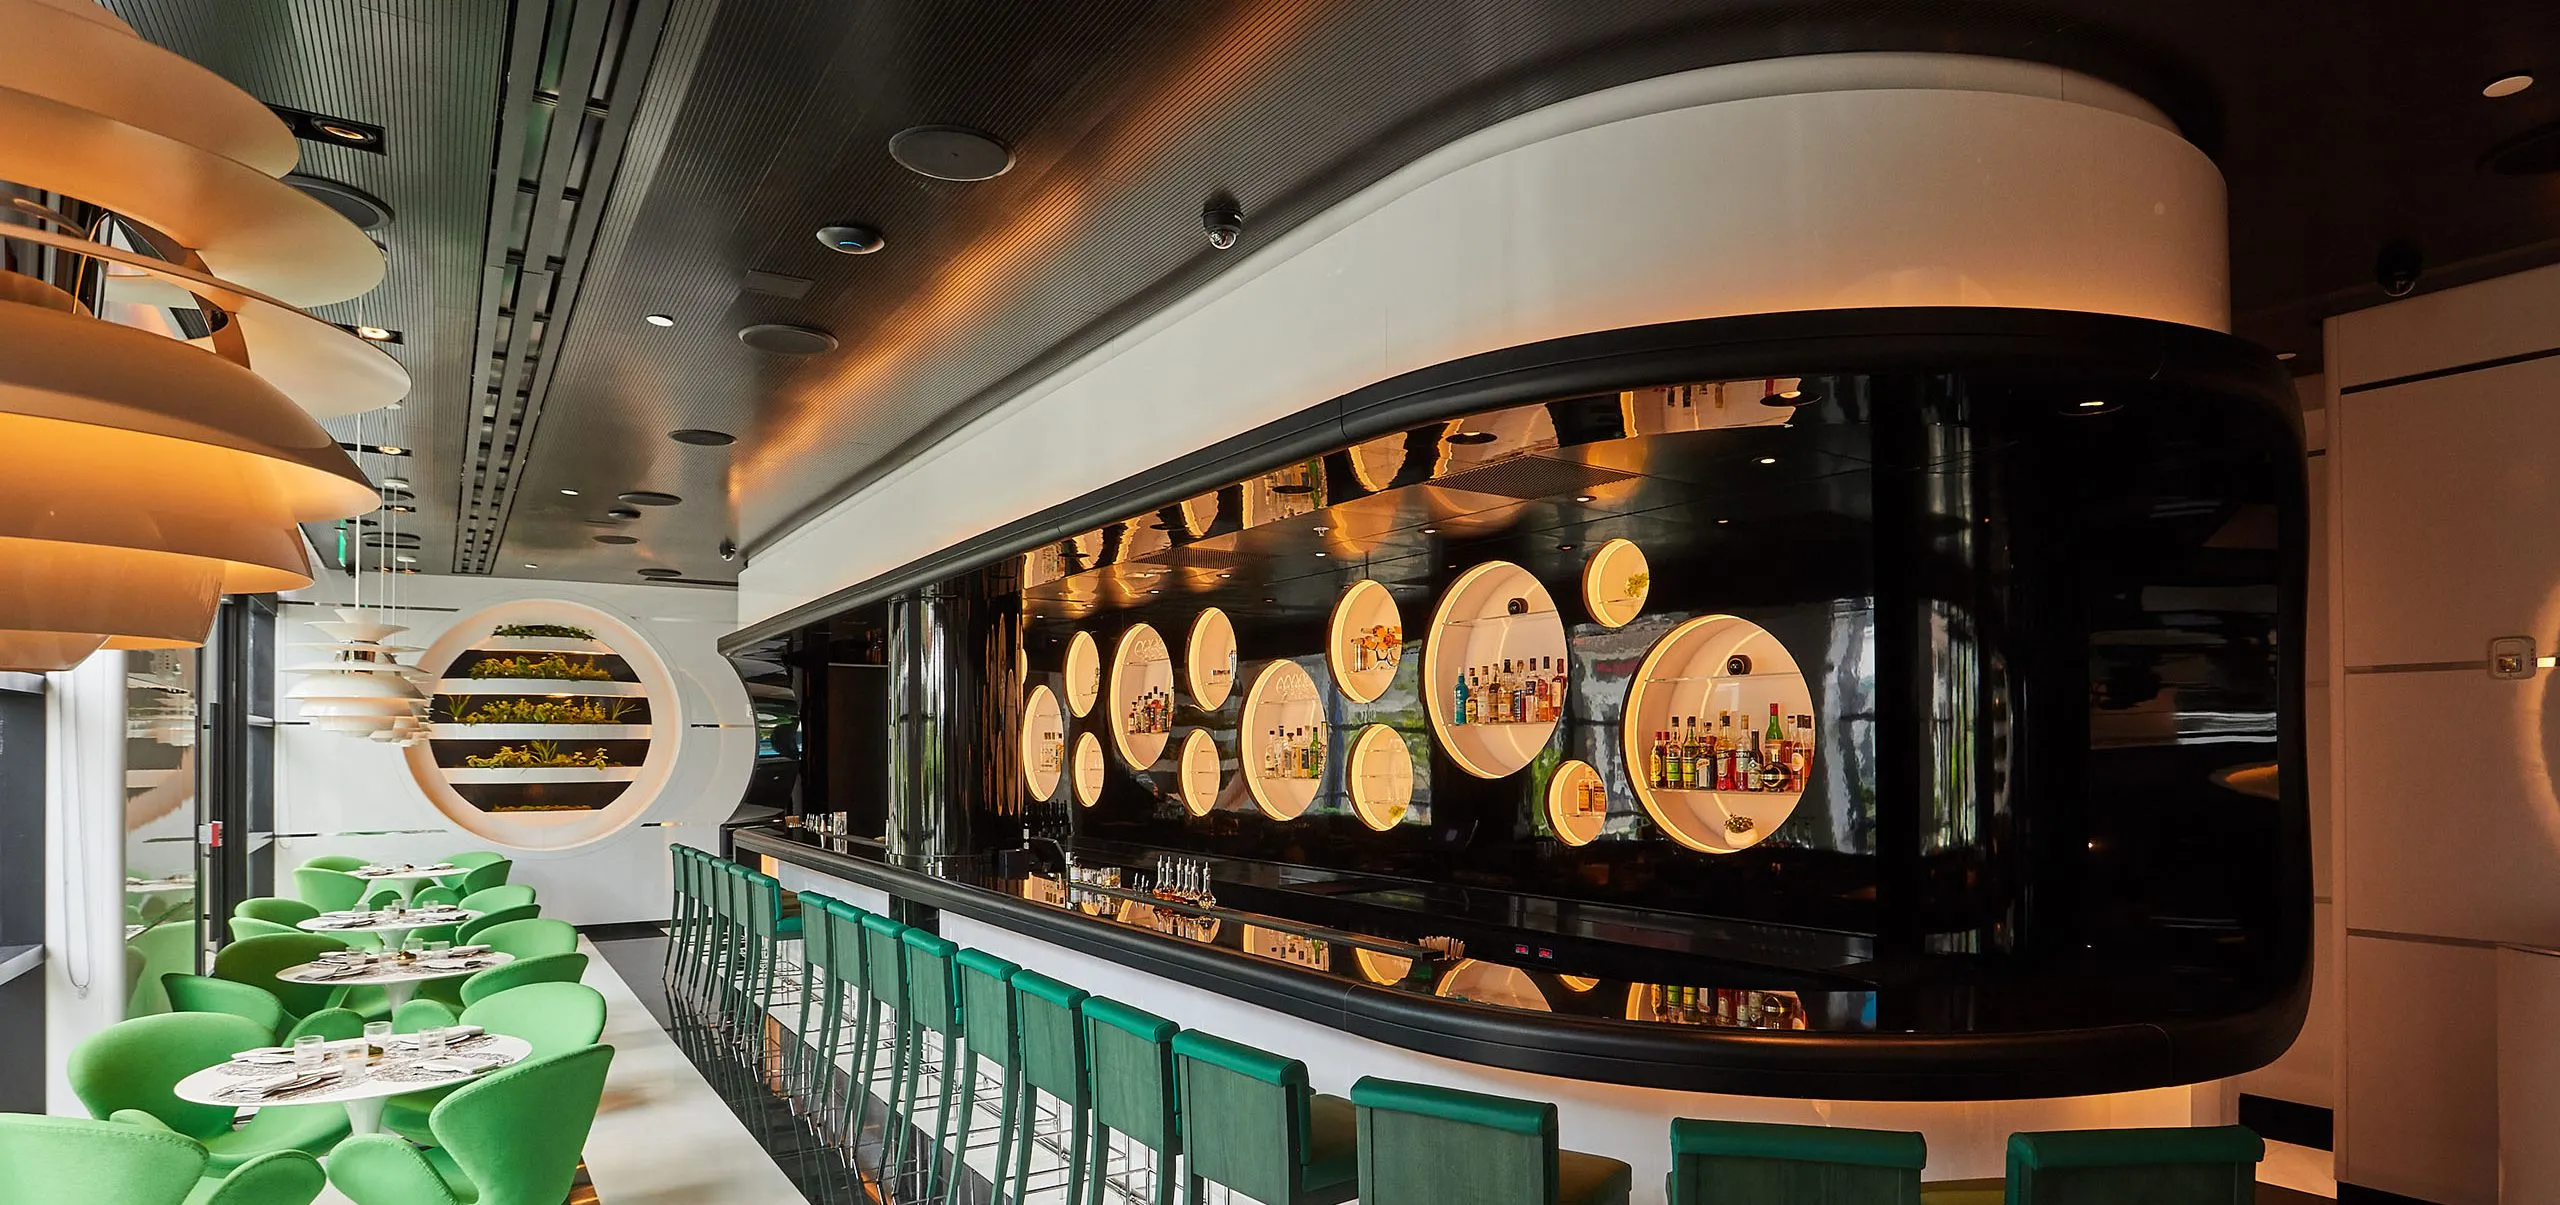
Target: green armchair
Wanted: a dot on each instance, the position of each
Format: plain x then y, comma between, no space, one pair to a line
82,1162
128,1071
511,1138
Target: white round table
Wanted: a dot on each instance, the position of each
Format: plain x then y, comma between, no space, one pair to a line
408,877
216,1085
393,930
398,980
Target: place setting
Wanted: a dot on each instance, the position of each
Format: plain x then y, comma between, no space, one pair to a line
397,972
358,1073
395,918
404,870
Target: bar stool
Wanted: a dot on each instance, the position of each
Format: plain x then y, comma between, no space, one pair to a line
683,908
1047,1023
2205,1165
987,1031
1714,1161
1129,1053
933,1028
844,966
1423,1145
817,990
1251,1124
881,1028
765,929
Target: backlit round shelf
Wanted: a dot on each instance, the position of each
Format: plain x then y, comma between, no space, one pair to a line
543,644
1615,582
1088,770
1364,644
1386,970
470,775
1199,774
1684,675
1474,627
1492,983
1141,713
1209,659
1568,803
1083,674
1280,710
1381,777
1044,743
553,687
451,730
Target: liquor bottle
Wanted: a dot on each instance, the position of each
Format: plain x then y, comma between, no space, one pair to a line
1774,741
1458,700
1520,693
1554,694
1725,752
1683,763
1747,767
1697,761
1653,762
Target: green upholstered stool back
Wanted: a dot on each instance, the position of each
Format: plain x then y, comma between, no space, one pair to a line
274,1178
256,960
550,968
473,928
205,994
1713,1162
505,895
531,937
2214,1165
764,908
844,941
327,890
933,998
884,962
76,1161
817,933
135,1064
553,1018
1244,1115
1421,1145
518,1133
1129,1061
986,1006
1049,1035
275,910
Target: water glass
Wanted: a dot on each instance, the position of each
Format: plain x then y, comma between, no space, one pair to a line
353,1062
431,1042
310,1051
435,946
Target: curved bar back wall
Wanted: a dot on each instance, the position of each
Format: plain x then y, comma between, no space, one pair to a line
2020,592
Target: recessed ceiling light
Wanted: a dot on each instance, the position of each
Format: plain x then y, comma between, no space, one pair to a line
376,334
2093,404
851,239
2506,86
406,560
531,565
2287,355
1319,554
702,437
1226,575
1155,591
568,493
658,320
623,512
1768,460
617,539
1428,530
1586,497
1721,522
1322,530
345,132
395,483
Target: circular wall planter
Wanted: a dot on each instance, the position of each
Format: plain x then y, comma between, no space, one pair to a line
1614,583
1381,777
1083,673
1199,772
1088,769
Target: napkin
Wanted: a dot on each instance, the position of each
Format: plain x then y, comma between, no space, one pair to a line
335,970
467,951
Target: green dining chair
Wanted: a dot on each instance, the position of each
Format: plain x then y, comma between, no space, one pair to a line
530,938
1251,1124
435,895
335,1024
505,895
553,1018
423,1014
509,1138
127,1072
336,862
327,890
166,948
274,1178
206,994
1713,1162
245,927
256,961
473,928
2169,1165
483,872
1423,1145
83,1162
550,968
383,897
276,910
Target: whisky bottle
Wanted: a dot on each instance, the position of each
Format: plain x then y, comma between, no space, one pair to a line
1653,763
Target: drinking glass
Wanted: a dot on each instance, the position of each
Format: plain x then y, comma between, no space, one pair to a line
377,1036
353,1062
436,946
431,1042
310,1051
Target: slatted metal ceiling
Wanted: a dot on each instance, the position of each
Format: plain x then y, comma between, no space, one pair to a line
2338,125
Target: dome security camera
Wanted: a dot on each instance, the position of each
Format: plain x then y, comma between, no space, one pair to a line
1224,222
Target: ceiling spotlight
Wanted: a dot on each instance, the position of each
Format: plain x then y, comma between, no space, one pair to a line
2084,409
1722,522
851,239
321,127
531,565
1322,530
2506,86
377,334
401,509
391,450
1429,530
1155,591
406,560
395,483
568,493
658,320
346,132
1320,554
702,437
1766,460
1586,497
1224,575
1564,547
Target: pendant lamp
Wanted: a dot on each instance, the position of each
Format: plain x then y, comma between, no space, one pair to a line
141,476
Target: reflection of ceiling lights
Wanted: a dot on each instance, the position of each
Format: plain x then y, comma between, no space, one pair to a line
2506,86
658,320
1766,460
568,493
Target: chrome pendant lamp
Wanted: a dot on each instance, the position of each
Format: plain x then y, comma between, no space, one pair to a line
144,474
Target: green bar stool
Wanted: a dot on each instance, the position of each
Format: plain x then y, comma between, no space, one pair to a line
1718,1161
884,1028
818,990
845,971
932,1017
1047,1023
765,929
1423,1145
730,958
2211,1165
679,908
1129,1060
1251,1125
985,984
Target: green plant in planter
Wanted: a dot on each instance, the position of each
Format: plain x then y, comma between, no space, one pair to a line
539,755
546,711
548,665
554,631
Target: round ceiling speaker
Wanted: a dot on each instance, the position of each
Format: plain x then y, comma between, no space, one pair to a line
851,239
623,512
950,153
785,339
354,204
702,437
2532,153
649,498
617,539
661,572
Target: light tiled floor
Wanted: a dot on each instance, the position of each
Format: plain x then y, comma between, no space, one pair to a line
663,1136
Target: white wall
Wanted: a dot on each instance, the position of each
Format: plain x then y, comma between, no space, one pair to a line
341,794
2446,824
1820,182
84,974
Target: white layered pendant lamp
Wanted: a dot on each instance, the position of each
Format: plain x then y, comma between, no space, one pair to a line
143,476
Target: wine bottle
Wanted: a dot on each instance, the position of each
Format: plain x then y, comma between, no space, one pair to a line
1653,763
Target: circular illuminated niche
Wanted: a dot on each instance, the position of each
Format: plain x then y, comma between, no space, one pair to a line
1577,803
1365,642
1377,462
1381,777
1475,627
1492,983
1577,983
1199,772
1209,659
1614,583
1283,719
1386,970
1044,743
1689,673
1088,770
1141,696
1083,673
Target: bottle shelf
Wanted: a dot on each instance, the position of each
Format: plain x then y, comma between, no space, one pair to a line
1473,628
1282,698
1666,690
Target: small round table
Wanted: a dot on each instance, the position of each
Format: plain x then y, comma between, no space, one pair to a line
398,980
363,1099
392,930
408,877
